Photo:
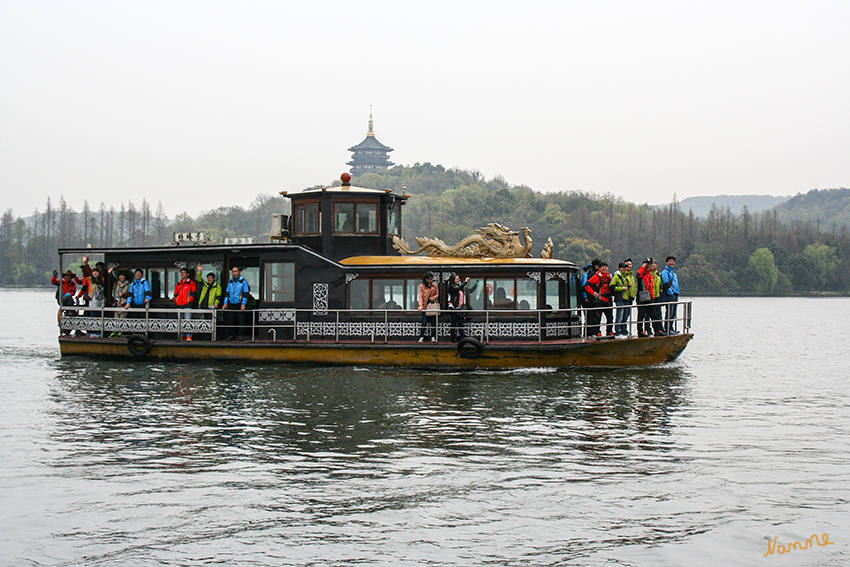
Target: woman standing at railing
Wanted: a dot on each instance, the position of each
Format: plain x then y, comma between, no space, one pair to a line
429,294
457,304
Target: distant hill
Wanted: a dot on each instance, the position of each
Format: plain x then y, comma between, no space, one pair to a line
755,203
823,206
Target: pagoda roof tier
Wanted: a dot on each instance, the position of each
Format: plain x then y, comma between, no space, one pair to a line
370,143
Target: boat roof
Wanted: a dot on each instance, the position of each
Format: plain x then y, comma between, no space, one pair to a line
340,189
448,260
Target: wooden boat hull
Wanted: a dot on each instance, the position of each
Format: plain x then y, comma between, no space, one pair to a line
497,355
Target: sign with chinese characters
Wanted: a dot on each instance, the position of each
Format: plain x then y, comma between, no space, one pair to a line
195,237
231,240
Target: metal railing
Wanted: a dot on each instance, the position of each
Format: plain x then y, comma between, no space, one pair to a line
285,324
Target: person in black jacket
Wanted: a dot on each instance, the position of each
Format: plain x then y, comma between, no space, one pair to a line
457,303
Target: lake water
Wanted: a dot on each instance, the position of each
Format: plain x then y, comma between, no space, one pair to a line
700,462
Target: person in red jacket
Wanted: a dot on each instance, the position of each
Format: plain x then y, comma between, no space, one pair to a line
184,296
599,294
65,289
67,286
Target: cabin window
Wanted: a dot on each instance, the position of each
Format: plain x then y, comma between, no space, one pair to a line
474,294
172,276
379,293
526,293
155,277
553,294
358,294
501,294
307,219
387,294
355,218
412,290
279,282
367,218
344,217
520,293
394,219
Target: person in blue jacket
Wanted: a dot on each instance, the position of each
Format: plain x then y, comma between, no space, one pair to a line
235,303
670,293
139,293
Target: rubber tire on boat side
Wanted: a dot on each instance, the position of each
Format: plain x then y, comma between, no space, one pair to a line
470,347
138,345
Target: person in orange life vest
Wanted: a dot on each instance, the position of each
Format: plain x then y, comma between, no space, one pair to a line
184,296
599,293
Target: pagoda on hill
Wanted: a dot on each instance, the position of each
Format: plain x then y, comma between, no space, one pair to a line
370,154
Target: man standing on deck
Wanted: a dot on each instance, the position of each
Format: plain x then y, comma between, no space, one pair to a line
670,295
235,301
184,296
598,288
589,270
624,288
139,292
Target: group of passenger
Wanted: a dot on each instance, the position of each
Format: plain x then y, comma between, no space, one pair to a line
100,287
429,306
612,297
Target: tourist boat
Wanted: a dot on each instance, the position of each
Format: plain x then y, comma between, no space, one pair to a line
337,285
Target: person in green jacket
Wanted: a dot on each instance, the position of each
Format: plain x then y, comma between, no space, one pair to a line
210,297
624,286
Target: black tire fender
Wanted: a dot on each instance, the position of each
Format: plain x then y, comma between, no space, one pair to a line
470,347
138,345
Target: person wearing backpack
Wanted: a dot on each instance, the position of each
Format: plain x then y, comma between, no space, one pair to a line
598,290
235,303
670,294
624,288
644,298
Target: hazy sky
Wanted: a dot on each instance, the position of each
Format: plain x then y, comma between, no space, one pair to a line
203,104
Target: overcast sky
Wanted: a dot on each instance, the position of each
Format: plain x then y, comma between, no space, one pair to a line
204,104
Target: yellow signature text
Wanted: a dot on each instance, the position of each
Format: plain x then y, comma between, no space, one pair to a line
773,547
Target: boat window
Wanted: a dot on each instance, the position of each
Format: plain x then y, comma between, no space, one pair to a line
358,294
526,293
307,219
155,279
553,294
394,219
252,276
367,218
412,286
501,294
172,276
279,282
387,294
344,217
474,291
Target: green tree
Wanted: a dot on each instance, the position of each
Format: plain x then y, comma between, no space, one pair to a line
823,261
699,275
764,268
581,251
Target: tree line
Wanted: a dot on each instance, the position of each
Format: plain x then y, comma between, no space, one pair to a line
725,253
